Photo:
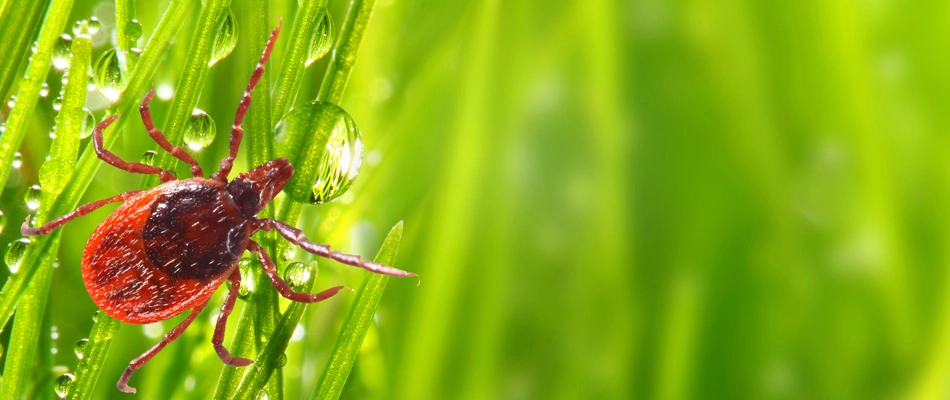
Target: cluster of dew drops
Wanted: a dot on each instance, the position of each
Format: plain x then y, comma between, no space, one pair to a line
337,169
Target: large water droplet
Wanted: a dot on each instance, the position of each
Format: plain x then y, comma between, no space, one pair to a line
107,75
61,52
148,157
81,348
134,29
319,180
322,40
15,252
247,278
94,26
62,385
200,131
17,160
88,124
3,221
299,274
226,40
32,197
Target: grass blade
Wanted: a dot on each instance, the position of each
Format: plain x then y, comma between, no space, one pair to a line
94,355
357,323
18,23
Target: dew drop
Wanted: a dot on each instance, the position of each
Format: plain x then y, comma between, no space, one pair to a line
88,123
299,274
282,360
1,350
322,40
62,385
17,160
94,26
339,163
200,131
32,197
134,29
95,316
57,103
44,90
247,278
11,101
81,348
3,221
148,157
107,75
226,40
15,253
61,52
286,252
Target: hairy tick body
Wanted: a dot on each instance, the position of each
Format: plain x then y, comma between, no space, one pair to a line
166,250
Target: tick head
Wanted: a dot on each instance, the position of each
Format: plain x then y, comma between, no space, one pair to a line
253,189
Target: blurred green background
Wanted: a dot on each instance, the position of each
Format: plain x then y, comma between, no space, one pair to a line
604,199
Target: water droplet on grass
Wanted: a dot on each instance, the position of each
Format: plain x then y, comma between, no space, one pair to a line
226,39
134,29
17,160
32,197
200,131
81,348
14,255
62,385
3,221
149,157
44,90
88,124
247,278
322,40
94,26
61,52
299,274
107,75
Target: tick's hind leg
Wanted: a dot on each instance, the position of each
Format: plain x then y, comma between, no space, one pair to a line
218,339
159,138
137,363
282,287
115,161
296,236
82,210
237,133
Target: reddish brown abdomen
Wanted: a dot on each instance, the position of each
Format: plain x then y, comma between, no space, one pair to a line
164,251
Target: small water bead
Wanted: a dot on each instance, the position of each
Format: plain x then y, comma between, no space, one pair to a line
44,90
149,157
57,104
14,255
322,41
62,385
17,160
200,131
134,29
247,278
286,252
3,221
107,75
81,348
61,52
95,316
328,177
88,123
226,39
299,274
94,26
32,197
12,101
282,360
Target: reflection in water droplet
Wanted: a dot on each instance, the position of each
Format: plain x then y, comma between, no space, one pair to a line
322,40
88,124
15,252
61,52
247,278
134,29
200,131
81,348
17,160
107,75
62,385
226,40
32,197
340,160
299,274
149,157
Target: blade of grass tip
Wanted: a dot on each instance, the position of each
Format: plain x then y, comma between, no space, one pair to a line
18,23
192,79
89,162
29,93
54,175
94,355
346,49
124,17
293,65
357,323
272,356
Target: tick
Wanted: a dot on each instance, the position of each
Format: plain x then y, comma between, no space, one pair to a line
166,250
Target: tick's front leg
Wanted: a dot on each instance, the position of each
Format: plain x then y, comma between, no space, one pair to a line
82,210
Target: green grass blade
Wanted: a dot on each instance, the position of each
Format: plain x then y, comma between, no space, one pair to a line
18,23
124,15
357,323
94,355
292,66
346,49
88,163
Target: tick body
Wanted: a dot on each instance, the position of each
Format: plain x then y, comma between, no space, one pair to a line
166,250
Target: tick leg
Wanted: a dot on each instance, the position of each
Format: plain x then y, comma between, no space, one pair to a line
236,132
218,339
296,236
137,363
115,161
159,137
82,210
282,287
